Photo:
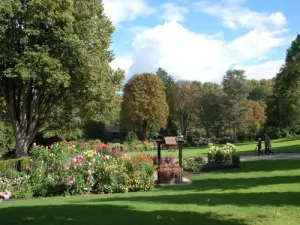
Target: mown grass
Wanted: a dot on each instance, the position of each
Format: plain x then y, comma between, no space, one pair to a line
244,148
261,192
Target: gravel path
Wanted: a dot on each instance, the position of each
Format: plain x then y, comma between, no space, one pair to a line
270,157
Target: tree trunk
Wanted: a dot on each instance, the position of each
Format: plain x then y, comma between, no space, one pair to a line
21,147
234,133
145,132
23,141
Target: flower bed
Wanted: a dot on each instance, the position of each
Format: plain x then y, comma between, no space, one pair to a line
68,169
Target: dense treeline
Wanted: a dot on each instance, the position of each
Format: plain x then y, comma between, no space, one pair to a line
61,86
237,108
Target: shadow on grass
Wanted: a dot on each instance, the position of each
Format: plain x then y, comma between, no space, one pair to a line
268,165
280,149
235,184
106,214
274,199
287,139
263,166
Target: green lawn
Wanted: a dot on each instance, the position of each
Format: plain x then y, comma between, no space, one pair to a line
261,192
245,148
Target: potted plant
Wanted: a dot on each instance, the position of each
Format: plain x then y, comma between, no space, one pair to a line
169,174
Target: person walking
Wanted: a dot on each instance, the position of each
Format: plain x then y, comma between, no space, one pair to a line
268,146
258,147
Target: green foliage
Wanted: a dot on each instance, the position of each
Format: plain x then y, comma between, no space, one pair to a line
168,81
284,105
56,53
186,105
131,138
7,139
260,90
212,113
96,130
219,158
63,123
23,164
144,108
236,88
192,164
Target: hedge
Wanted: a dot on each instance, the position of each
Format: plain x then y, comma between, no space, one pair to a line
21,164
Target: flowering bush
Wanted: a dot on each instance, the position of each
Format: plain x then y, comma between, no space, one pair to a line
98,168
16,183
5,194
164,160
224,157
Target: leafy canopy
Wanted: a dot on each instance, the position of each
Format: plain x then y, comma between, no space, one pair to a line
55,53
144,107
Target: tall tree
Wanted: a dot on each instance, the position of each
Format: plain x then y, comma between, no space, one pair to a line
186,104
54,52
144,107
212,114
284,106
168,80
236,88
256,117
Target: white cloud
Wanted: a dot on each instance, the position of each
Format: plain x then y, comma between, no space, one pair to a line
194,56
173,13
256,43
123,62
265,70
121,10
233,14
198,56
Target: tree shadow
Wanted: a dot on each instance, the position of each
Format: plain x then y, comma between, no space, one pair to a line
295,138
268,165
217,199
235,183
80,214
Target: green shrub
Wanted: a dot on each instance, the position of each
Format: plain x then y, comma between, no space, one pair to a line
24,193
219,158
22,164
7,139
192,164
131,138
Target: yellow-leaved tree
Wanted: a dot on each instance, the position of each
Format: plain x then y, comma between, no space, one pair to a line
144,107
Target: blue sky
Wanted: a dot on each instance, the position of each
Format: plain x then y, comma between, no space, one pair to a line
201,39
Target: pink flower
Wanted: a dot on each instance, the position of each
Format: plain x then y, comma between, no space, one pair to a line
90,179
74,160
5,194
61,182
65,167
93,160
90,172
